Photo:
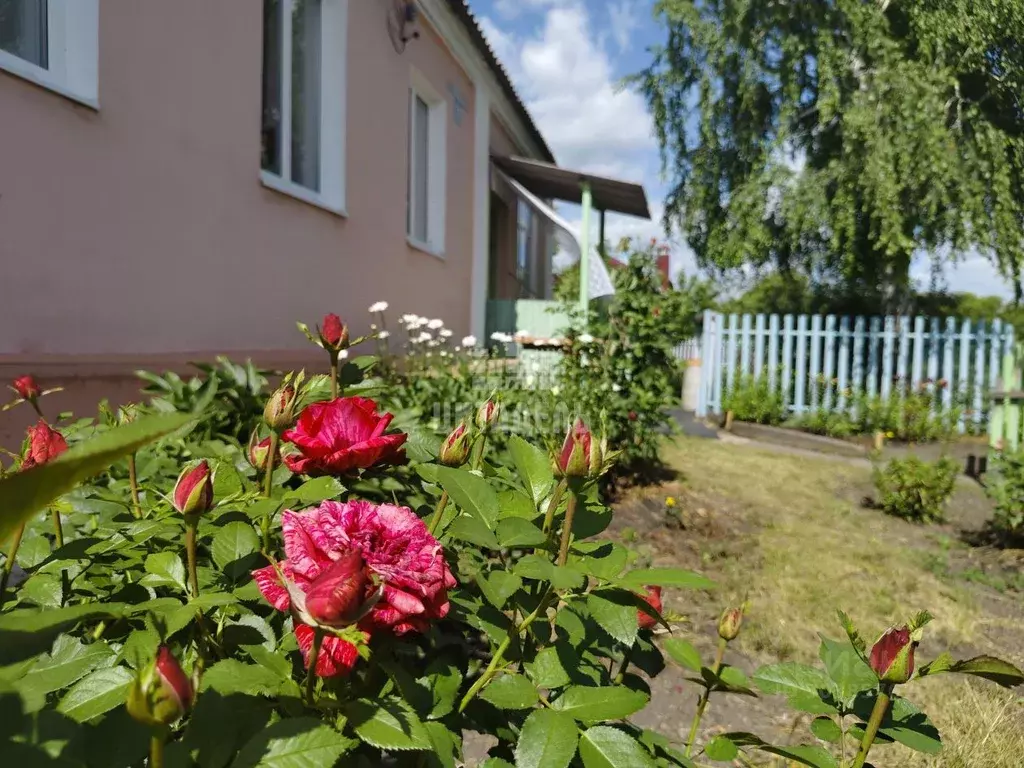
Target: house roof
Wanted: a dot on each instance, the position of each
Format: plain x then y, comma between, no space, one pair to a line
461,10
550,182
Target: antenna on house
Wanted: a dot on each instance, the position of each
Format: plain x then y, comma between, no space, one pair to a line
401,17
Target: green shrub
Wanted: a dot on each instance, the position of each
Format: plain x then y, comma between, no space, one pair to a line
1005,486
916,490
754,399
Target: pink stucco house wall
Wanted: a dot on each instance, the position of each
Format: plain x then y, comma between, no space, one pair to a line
141,227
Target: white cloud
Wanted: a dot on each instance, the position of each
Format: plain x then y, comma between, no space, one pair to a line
623,21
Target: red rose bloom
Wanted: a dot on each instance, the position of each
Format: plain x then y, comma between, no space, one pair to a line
653,599
376,566
27,388
342,435
44,444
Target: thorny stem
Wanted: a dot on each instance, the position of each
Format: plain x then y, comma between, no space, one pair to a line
877,715
624,666
9,564
478,451
58,529
191,526
702,703
314,655
133,479
268,478
334,375
556,498
499,655
438,511
156,749
570,513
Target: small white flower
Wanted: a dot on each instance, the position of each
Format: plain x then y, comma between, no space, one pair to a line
433,343
555,391
557,341
343,354
424,336
435,324
522,334
586,338
430,354
383,334
500,337
616,388
379,306
445,333
408,319
469,341
458,349
443,353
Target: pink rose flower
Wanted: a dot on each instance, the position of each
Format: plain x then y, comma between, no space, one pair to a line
44,445
342,435
375,566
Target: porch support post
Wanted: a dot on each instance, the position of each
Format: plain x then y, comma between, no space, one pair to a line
481,212
587,203
601,246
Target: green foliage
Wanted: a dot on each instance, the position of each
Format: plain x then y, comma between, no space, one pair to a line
1004,484
916,490
877,130
755,399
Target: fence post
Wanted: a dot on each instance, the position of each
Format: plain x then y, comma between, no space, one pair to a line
815,370
844,360
888,344
773,351
918,370
801,363
745,346
787,357
705,365
963,374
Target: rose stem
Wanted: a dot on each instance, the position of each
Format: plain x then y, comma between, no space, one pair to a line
133,479
877,715
156,749
268,478
58,529
334,375
570,513
702,703
191,527
478,451
9,565
314,655
556,498
438,510
499,654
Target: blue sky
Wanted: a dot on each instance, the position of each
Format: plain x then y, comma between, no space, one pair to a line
567,59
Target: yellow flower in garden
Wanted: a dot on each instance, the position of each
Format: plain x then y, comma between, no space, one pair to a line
670,501
890,435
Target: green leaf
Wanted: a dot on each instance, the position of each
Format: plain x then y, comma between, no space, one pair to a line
496,762
473,530
25,633
164,569
826,729
791,679
96,693
444,748
511,692
517,532
615,613
533,468
547,740
605,747
232,676
605,562
730,679
227,483
471,493
683,653
721,749
498,586
665,577
22,494
590,705
515,503
233,542
297,742
69,662
219,726
387,724
547,669
571,627
990,668
317,490
805,754
847,669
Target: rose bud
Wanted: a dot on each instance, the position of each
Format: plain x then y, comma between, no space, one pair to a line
279,412
632,416
44,445
729,624
574,460
892,656
27,388
653,599
193,493
455,448
334,333
162,692
487,415
337,597
258,451
127,413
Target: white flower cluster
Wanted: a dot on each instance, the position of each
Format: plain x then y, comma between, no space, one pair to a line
378,306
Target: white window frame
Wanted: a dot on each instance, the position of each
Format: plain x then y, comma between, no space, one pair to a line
437,164
73,35
333,101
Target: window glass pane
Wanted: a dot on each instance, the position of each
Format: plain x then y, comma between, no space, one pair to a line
23,30
420,168
306,37
271,130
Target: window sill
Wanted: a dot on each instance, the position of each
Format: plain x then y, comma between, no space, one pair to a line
41,77
419,245
276,183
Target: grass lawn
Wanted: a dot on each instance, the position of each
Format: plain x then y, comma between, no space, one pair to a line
792,534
